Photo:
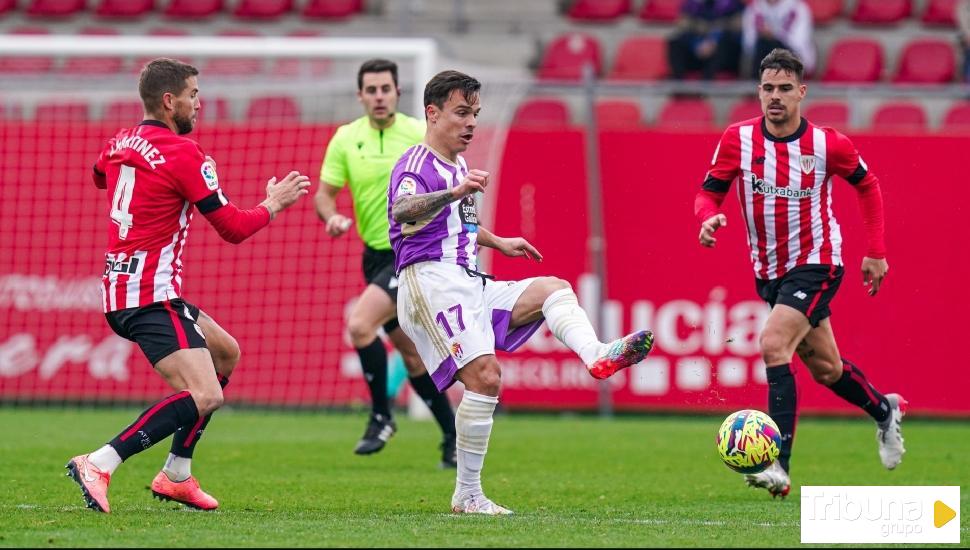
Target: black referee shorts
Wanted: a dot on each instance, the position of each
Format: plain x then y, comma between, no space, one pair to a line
159,329
378,266
807,288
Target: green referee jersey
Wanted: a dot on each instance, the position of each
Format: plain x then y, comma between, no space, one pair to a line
362,157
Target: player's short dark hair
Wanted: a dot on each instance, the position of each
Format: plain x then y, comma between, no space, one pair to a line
376,66
162,76
780,59
439,88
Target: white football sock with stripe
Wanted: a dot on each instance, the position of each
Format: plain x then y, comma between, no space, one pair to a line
473,424
178,468
105,459
570,325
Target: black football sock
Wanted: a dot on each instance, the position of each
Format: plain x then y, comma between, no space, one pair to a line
783,407
856,389
436,401
155,424
186,437
373,360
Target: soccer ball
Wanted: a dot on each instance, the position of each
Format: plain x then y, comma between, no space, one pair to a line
748,441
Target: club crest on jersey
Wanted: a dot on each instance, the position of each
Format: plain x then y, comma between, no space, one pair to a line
407,186
808,163
456,350
209,175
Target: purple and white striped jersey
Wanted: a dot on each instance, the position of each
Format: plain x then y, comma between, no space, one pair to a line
449,235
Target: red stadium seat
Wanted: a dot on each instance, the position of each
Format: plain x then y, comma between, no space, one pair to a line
124,112
139,63
566,56
7,5
830,113
62,111
333,9
825,11
745,109
215,108
193,9
881,12
613,114
957,118
927,61
235,66
854,60
30,64
641,58
598,10
294,67
686,114
542,112
54,8
124,8
899,116
263,9
273,109
94,65
660,10
940,12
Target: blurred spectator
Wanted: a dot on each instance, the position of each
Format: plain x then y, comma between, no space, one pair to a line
770,24
708,38
963,21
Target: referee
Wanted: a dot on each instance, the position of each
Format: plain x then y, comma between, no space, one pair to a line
361,156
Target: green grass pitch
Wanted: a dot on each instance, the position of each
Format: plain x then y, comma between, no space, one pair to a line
290,479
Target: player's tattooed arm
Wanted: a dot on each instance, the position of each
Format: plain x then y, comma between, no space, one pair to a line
411,208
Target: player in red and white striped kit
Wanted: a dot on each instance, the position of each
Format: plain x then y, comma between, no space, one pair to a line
155,178
784,167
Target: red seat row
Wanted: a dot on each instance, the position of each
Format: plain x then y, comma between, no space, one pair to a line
112,65
190,9
698,114
864,12
129,112
922,61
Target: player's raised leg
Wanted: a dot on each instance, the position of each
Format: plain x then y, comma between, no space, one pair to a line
425,387
175,481
820,354
553,299
203,396
482,379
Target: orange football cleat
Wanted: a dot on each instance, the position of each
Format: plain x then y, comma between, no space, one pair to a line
186,492
93,481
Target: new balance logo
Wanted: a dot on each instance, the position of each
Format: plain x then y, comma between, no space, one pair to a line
800,295
759,160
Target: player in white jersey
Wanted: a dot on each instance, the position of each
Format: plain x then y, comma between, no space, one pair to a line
457,316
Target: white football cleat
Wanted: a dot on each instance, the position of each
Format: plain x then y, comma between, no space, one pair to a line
774,478
478,504
890,435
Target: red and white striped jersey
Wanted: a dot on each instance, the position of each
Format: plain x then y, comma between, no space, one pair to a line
153,177
785,191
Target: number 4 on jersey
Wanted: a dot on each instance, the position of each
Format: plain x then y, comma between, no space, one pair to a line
124,189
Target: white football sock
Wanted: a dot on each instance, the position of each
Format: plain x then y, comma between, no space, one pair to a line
570,325
177,468
106,459
473,424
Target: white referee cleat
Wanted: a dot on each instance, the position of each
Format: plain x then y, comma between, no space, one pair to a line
478,504
890,435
